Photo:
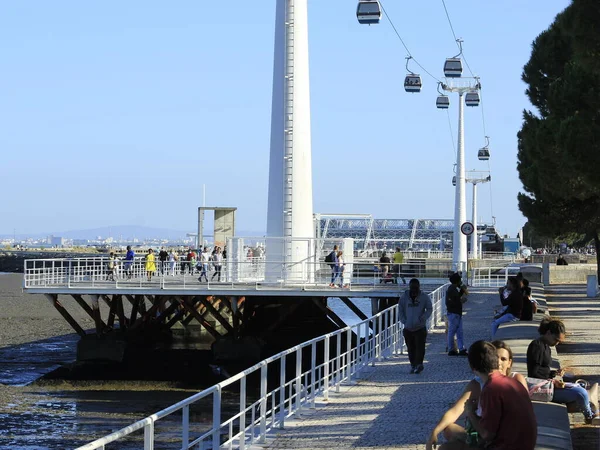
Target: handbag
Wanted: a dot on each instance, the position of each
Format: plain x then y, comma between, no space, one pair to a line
540,390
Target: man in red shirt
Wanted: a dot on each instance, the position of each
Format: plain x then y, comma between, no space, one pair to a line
507,419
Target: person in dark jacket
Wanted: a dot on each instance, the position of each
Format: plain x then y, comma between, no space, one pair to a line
514,303
539,359
414,309
455,297
529,307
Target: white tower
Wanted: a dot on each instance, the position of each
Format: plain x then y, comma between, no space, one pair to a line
290,206
462,86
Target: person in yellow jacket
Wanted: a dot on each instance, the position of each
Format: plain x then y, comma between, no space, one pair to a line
398,260
150,264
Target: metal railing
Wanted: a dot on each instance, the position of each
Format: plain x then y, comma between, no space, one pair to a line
319,367
259,273
492,276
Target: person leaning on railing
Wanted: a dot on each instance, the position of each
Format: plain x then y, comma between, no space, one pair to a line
384,263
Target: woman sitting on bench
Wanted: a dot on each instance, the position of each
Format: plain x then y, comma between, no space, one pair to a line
458,437
539,358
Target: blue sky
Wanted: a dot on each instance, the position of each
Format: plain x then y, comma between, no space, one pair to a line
116,113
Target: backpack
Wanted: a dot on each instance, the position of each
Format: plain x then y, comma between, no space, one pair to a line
329,259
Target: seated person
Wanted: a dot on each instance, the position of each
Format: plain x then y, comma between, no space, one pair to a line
529,307
514,301
539,358
507,420
455,434
505,362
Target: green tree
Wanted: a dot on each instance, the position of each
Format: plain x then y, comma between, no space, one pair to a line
559,147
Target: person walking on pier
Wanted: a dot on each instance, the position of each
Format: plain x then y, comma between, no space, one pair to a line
332,260
217,263
414,309
150,264
172,262
455,297
204,260
384,264
112,261
129,258
398,260
163,256
341,266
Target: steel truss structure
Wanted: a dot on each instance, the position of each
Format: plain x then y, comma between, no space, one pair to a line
422,234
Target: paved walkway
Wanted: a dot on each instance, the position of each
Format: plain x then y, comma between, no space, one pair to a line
581,353
392,409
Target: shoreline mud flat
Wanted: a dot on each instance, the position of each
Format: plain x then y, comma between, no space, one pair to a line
39,409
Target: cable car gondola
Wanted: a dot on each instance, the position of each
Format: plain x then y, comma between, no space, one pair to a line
412,82
472,98
453,68
454,180
484,153
442,102
368,12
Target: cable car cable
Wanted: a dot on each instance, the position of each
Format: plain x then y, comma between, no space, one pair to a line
405,46
450,22
456,39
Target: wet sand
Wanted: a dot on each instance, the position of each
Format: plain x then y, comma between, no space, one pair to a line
36,413
30,317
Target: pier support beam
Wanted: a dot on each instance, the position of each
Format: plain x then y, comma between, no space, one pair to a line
53,298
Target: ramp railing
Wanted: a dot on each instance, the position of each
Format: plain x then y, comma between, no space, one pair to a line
284,386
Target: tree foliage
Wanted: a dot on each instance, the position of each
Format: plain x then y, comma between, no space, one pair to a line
559,145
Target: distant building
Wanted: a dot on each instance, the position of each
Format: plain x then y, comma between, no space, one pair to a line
56,241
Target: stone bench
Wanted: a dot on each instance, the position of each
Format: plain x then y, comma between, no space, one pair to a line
554,428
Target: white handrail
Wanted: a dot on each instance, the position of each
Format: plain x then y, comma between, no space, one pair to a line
94,272
375,337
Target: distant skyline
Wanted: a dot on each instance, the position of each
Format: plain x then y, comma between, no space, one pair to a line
119,112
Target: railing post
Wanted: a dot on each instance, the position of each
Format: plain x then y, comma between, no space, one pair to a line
185,426
242,440
361,344
149,436
313,372
326,369
379,336
298,380
216,432
263,404
338,364
349,354
395,329
282,392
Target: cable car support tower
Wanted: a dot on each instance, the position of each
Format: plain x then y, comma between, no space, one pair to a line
290,207
468,88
